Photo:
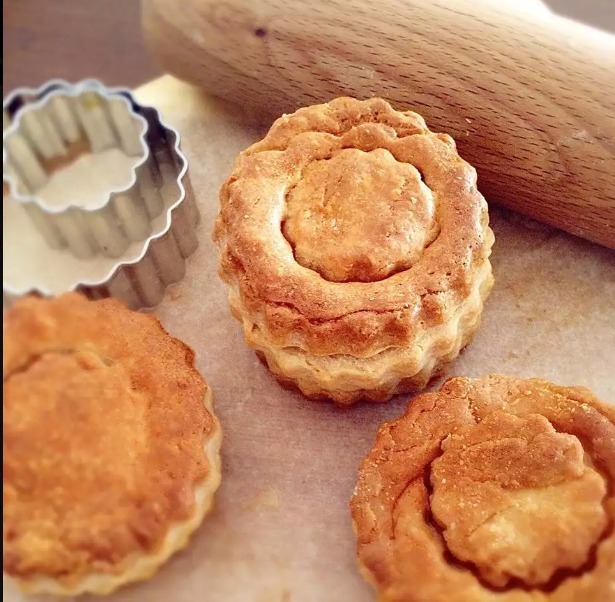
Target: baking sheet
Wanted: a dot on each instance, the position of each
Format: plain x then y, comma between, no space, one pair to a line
280,530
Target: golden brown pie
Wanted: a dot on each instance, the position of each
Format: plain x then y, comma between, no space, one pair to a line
356,246
111,447
492,489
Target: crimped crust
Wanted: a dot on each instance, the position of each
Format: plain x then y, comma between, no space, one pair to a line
111,446
376,378
412,235
491,489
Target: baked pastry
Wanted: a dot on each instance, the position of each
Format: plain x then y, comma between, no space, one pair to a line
110,447
356,247
492,489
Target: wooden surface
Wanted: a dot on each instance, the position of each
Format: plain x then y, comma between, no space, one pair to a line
280,530
73,39
530,98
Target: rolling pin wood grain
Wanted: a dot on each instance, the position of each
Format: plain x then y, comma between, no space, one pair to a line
529,97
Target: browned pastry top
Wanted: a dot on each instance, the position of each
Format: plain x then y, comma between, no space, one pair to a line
491,489
104,435
350,227
359,216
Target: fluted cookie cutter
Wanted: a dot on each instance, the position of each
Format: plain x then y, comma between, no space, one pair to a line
128,241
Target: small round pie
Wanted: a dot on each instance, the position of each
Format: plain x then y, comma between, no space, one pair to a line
491,490
111,450
356,246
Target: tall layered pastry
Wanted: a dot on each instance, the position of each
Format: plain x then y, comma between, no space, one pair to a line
356,246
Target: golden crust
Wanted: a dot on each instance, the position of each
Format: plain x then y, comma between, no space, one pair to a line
491,489
359,216
351,230
111,456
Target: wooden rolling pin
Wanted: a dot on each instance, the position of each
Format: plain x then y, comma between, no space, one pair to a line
529,97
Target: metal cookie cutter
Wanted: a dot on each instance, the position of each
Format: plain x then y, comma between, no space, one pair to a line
127,222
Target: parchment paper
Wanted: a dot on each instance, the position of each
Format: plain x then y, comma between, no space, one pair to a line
281,531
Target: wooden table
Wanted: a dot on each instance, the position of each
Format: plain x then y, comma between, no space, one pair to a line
73,39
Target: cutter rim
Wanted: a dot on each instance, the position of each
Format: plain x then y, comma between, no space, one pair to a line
74,93
87,85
